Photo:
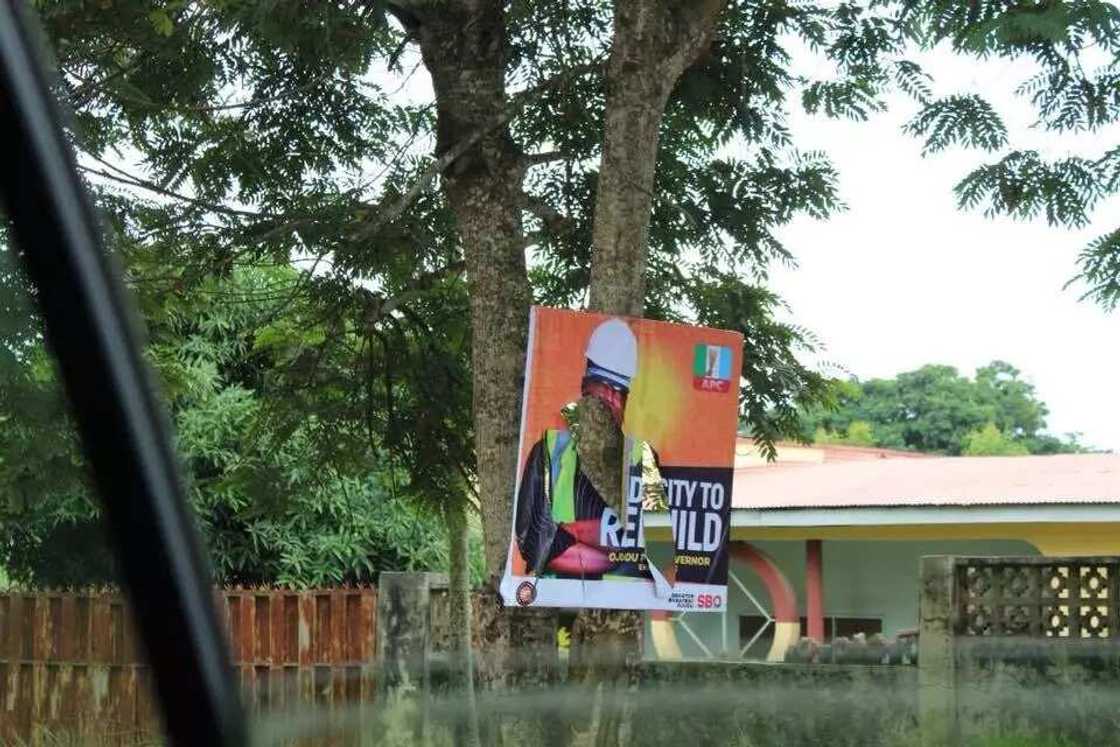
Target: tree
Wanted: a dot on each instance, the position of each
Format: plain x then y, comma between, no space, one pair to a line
858,433
935,409
254,126
627,157
636,162
631,157
270,509
989,441
253,130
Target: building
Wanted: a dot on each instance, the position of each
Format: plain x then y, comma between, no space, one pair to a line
827,541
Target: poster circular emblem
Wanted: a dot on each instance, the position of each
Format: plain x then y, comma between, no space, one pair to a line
526,593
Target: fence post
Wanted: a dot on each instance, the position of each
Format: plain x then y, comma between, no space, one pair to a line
937,686
404,653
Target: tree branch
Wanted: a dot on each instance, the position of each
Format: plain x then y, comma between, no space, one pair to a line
537,237
394,60
135,181
251,103
421,285
380,307
550,216
426,178
701,17
517,103
84,93
536,159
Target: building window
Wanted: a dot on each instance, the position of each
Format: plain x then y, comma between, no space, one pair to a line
846,627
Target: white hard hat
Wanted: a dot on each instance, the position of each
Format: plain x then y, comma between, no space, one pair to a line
612,353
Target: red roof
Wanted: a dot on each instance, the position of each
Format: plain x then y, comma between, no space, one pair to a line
932,481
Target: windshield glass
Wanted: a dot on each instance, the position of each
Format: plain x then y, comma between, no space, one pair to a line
588,372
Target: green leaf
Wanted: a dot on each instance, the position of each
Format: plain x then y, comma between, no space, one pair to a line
161,21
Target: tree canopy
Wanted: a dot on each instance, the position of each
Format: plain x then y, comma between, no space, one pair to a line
310,245
256,135
935,409
282,494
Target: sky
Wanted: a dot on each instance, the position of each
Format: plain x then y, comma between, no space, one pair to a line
904,278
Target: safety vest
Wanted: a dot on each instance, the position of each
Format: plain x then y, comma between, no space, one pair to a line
563,466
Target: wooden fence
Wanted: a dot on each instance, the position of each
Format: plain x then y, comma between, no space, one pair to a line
69,661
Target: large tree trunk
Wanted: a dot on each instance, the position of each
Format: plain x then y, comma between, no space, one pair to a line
463,47
654,41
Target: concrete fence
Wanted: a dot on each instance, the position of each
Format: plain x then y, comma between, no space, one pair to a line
1019,646
1006,646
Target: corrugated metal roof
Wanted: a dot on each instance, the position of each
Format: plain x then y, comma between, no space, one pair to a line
938,481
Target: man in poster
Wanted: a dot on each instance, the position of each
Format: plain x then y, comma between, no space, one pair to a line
563,526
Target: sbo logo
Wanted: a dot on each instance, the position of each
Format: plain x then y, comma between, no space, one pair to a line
707,601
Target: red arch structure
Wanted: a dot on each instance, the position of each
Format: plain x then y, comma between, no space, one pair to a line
787,625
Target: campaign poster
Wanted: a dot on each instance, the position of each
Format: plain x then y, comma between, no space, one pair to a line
673,392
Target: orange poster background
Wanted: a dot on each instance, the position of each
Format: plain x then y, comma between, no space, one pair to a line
687,427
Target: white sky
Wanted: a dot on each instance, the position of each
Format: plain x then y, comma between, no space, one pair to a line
903,278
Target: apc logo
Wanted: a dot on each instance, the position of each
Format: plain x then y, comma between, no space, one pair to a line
711,368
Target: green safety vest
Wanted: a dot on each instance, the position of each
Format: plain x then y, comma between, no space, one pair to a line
562,469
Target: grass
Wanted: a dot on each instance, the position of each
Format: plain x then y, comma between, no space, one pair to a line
1024,741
